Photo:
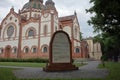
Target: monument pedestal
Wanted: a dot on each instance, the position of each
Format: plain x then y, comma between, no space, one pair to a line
60,67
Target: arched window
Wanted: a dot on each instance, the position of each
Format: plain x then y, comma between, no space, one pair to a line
26,50
11,18
34,50
45,30
10,31
75,33
14,50
34,6
31,33
45,50
77,50
1,50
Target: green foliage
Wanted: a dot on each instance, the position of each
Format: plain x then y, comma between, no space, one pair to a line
104,57
107,21
107,13
38,60
109,45
81,37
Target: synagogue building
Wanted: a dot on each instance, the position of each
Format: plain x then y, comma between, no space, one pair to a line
27,33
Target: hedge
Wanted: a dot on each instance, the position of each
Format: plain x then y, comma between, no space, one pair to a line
37,60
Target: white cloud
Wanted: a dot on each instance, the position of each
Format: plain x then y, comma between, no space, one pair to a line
64,8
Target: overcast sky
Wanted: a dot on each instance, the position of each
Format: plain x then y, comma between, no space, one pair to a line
64,8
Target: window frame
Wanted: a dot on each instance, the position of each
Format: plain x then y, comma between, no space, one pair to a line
31,33
14,50
45,49
26,50
10,31
34,50
77,50
1,50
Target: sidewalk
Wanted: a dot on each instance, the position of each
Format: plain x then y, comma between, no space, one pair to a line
88,71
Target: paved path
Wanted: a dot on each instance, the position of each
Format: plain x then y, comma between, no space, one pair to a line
87,71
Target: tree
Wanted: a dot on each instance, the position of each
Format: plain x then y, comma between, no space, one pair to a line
107,21
107,15
107,44
81,37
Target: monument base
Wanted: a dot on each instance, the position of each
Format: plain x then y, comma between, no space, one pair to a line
60,67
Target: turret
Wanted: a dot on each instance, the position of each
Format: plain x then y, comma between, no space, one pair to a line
50,4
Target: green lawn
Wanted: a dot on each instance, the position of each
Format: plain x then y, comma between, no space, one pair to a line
6,74
22,64
114,73
114,70
79,64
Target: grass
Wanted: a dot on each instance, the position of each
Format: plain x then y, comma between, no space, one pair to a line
114,73
6,74
22,64
79,64
27,64
114,70
59,79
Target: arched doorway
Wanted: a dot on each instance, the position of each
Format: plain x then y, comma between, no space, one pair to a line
7,51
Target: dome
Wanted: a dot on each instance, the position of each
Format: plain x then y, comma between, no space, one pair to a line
36,4
36,0
50,4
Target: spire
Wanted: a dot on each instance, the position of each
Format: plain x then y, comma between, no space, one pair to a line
75,12
12,9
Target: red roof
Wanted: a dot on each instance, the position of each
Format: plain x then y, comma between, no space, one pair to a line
66,18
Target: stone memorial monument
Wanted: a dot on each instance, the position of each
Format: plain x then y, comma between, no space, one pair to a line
60,58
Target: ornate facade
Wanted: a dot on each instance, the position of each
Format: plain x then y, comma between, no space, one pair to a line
27,34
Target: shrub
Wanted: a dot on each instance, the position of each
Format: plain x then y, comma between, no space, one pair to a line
37,60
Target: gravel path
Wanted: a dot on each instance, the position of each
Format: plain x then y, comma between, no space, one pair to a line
88,71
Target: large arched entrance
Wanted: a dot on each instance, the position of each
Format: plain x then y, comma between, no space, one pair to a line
7,51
